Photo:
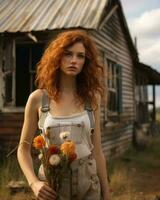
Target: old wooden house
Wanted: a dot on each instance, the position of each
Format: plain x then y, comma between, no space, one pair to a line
26,26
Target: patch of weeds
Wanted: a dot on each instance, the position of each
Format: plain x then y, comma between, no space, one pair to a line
9,170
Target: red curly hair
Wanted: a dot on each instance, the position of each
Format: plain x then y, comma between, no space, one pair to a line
88,80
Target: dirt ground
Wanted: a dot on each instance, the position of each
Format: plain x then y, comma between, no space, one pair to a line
137,185
136,175
132,184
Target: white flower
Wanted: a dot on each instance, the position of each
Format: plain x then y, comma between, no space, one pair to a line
40,156
64,135
54,159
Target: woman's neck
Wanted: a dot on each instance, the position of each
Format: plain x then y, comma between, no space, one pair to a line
67,84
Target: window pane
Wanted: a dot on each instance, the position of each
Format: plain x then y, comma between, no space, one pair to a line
36,53
8,56
112,86
8,88
32,80
112,103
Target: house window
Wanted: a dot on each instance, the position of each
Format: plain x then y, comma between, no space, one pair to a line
7,69
27,56
19,66
114,85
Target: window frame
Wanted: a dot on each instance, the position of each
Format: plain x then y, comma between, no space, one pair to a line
9,73
8,69
109,114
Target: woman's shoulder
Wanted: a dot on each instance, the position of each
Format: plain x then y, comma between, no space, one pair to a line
36,94
97,102
35,97
98,98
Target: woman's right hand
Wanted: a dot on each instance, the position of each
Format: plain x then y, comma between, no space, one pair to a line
42,191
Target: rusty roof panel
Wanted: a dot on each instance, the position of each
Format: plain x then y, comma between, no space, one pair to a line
39,15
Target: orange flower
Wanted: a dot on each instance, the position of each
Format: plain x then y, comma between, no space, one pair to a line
39,142
72,157
53,149
68,148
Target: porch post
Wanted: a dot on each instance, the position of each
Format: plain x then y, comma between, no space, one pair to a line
154,104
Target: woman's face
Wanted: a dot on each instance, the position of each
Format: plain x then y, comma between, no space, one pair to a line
73,59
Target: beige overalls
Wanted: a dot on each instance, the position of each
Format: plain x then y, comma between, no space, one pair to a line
82,183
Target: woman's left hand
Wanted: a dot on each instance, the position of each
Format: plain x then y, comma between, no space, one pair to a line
106,197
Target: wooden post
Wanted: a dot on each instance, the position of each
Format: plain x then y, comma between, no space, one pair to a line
154,104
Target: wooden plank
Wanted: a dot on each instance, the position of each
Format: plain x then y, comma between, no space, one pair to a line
10,138
11,117
11,124
108,150
120,37
117,49
9,130
117,144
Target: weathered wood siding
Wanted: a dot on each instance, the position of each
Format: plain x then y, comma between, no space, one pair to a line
1,75
10,129
112,42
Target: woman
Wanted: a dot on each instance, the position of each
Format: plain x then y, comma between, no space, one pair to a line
69,76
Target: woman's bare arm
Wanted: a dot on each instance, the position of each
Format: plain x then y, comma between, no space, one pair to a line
99,155
27,134
24,150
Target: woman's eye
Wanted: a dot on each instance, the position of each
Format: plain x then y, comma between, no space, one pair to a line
81,56
68,54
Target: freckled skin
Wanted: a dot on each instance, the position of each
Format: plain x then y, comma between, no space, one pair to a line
73,60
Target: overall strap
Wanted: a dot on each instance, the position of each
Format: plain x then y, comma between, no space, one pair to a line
45,102
89,110
44,109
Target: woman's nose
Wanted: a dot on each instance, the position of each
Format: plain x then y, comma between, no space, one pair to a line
74,59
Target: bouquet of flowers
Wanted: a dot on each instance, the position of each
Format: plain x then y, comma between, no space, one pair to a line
55,159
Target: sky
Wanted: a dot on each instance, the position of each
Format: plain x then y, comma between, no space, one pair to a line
143,18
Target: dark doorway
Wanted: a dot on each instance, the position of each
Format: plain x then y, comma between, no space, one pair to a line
27,56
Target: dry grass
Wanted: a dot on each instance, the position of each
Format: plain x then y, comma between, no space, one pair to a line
158,117
9,170
136,175
120,182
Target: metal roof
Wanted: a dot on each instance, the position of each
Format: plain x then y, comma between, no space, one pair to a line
152,74
39,15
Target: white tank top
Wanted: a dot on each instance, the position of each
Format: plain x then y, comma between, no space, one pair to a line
79,127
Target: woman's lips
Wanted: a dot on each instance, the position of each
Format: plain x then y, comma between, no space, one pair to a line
72,68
